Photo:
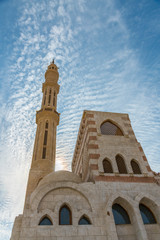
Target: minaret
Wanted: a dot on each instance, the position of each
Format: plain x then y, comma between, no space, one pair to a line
47,119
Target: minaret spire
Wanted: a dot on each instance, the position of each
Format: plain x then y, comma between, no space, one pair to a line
47,119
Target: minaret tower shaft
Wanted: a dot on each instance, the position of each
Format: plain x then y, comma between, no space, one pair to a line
47,119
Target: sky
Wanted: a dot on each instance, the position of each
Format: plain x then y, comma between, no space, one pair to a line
108,56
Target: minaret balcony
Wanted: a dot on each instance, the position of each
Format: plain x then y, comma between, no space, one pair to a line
47,112
51,84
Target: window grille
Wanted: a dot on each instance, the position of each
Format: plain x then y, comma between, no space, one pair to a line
107,166
121,164
108,128
135,167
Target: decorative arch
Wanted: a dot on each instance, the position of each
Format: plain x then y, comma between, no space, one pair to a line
107,166
84,220
42,190
141,197
65,215
122,199
121,164
135,167
110,128
120,214
45,220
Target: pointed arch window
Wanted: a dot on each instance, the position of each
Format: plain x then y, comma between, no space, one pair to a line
84,220
121,164
46,126
135,167
45,96
120,215
107,166
147,215
65,216
45,140
108,128
54,97
49,98
45,221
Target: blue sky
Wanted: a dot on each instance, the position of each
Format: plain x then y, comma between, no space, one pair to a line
108,57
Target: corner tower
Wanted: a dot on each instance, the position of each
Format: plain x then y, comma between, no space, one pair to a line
47,119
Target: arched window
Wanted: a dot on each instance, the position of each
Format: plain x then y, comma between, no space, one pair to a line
45,221
84,221
121,164
108,128
135,167
45,141
120,215
147,215
54,97
46,126
49,98
65,215
107,166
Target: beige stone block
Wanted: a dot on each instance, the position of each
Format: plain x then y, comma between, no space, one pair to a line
126,229
48,238
28,232
43,231
101,237
82,230
127,237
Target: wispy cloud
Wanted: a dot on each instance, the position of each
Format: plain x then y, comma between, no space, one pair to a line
100,69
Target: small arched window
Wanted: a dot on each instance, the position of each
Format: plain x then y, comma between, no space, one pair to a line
49,98
121,164
45,221
135,167
45,96
45,141
46,126
147,215
65,215
54,98
107,166
120,215
84,221
108,128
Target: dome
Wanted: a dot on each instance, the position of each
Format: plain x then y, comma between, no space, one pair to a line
60,176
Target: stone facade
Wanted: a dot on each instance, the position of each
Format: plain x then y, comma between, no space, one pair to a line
91,189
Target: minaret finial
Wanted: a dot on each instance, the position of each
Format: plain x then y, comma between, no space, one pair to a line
53,61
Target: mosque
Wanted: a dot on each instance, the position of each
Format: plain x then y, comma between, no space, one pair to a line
111,193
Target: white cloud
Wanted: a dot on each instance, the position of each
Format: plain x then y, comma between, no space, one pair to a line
97,72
